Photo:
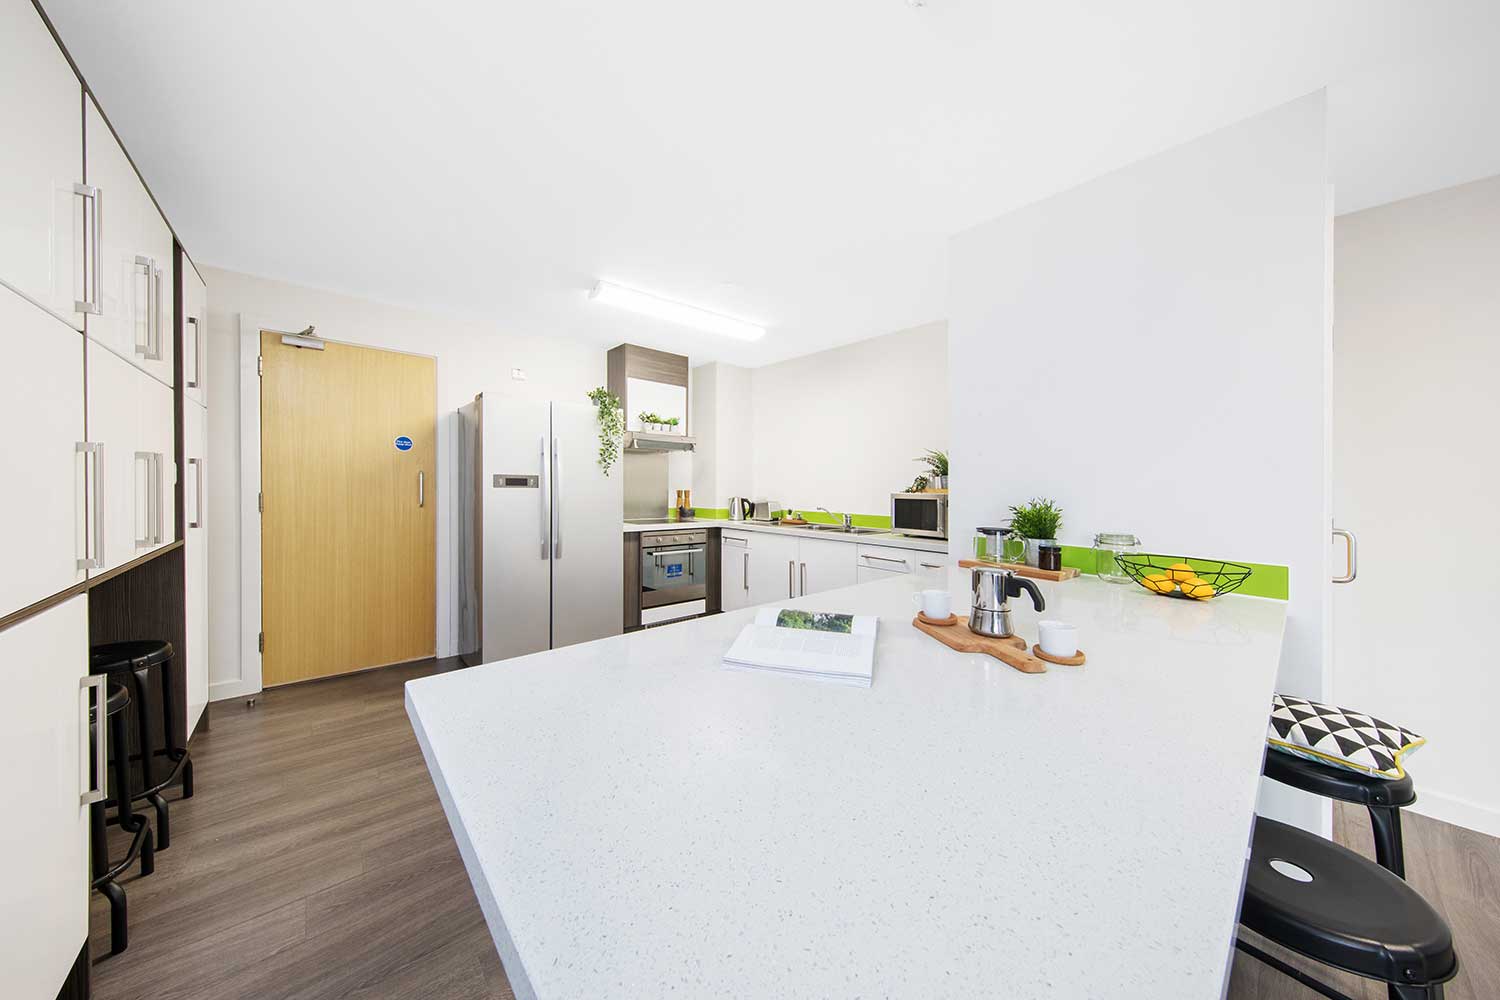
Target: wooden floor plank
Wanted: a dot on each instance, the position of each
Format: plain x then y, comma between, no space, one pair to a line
315,863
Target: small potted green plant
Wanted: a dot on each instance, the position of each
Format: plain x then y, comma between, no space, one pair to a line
671,425
937,466
650,421
1038,522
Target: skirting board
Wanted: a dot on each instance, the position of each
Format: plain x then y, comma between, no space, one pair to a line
1458,811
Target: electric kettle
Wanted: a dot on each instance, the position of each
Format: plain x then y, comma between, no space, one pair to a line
740,509
989,613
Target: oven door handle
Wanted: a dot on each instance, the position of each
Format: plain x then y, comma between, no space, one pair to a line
673,552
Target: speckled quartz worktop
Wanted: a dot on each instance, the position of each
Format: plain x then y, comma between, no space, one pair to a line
887,538
638,821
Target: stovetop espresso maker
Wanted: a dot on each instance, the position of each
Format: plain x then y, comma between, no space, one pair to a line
989,612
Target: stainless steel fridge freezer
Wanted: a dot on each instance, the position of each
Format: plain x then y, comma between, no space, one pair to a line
540,548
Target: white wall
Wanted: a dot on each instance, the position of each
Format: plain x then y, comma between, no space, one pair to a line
839,428
471,358
723,422
1152,350
1416,349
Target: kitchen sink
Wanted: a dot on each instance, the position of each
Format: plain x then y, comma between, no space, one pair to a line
842,530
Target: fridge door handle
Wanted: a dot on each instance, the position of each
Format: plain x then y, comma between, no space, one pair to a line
546,508
1351,566
556,499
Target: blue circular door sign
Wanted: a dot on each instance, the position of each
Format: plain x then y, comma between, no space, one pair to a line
403,443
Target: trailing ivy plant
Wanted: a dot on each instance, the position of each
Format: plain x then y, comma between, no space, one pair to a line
611,426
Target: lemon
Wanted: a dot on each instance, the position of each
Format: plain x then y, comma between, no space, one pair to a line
1159,582
1201,589
1182,571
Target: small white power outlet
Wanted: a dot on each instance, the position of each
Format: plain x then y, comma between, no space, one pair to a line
518,374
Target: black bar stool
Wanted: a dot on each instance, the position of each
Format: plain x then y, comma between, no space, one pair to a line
161,761
105,872
1330,904
1383,797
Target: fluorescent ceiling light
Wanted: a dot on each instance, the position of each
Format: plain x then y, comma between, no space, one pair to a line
675,312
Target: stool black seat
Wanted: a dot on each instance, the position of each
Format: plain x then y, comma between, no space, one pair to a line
162,762
1352,914
105,872
1383,797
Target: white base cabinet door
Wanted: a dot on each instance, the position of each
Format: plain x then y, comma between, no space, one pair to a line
195,558
773,568
734,577
823,564
44,733
136,309
41,409
41,212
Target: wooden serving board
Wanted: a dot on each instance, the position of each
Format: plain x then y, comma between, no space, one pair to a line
1010,651
1020,569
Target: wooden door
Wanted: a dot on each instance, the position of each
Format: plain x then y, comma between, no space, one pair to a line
349,487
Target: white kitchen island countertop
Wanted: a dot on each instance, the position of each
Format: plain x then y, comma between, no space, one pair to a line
889,539
639,821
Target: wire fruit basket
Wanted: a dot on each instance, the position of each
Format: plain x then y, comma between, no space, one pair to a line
1188,579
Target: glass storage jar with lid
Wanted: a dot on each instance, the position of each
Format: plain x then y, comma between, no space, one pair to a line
1107,545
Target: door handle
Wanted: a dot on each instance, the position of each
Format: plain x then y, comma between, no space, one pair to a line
791,568
193,379
421,488
158,497
886,559
93,258
804,579
556,499
932,565
145,266
144,539
95,472
747,573
93,790
1351,567
156,314
197,521
546,508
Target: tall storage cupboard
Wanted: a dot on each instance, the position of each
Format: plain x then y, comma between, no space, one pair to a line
195,488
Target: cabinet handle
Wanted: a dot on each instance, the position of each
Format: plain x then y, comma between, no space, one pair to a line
1352,566
157,316
747,573
193,379
899,562
93,790
197,464
93,258
804,579
153,531
95,472
144,266
791,587
932,565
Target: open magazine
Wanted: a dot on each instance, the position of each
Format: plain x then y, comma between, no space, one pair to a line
828,645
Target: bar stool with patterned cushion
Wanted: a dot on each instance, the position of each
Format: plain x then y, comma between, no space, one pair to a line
1349,756
1330,904
105,871
161,761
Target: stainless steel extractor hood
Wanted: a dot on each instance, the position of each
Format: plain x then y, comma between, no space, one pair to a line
653,441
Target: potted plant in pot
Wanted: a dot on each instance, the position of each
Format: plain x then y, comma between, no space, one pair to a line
671,425
1038,522
937,466
650,421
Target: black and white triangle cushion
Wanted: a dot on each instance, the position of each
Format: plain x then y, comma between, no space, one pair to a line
1340,737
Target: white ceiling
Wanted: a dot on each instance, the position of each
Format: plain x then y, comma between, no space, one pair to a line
796,164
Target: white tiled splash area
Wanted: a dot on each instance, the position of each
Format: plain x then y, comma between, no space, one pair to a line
1174,318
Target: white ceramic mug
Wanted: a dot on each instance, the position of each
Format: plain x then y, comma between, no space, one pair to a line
1058,638
935,604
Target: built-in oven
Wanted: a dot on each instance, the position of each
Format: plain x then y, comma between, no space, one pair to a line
674,571
921,515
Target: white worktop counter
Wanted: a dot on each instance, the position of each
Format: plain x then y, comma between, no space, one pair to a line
888,539
639,821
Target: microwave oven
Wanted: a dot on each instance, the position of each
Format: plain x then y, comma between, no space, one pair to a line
921,515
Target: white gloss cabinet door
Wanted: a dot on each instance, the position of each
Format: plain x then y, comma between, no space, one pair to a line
773,568
194,333
41,410
136,311
195,558
156,466
42,214
44,732
824,564
130,421
734,575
